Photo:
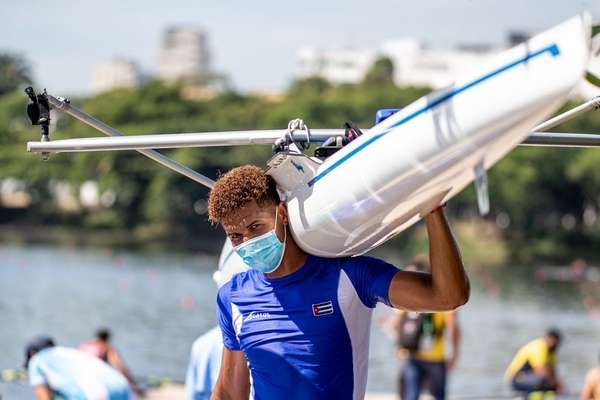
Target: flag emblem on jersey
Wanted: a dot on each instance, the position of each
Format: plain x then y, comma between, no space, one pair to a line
324,308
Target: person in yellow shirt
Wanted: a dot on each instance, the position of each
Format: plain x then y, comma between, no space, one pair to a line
421,342
533,369
591,387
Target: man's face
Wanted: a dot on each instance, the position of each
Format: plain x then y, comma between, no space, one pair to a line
253,220
552,343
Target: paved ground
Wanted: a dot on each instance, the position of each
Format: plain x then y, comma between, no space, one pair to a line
176,392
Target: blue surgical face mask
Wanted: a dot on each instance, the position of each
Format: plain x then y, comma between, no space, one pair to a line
265,252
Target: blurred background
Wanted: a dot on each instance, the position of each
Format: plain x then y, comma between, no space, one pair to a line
113,239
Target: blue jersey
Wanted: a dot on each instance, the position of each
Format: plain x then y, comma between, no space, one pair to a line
75,375
305,335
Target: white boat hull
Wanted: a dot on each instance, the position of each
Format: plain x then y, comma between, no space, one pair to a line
384,181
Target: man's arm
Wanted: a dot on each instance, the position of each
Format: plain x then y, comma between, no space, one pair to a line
454,335
42,392
117,362
549,372
234,378
447,287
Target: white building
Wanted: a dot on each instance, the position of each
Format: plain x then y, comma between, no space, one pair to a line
336,66
414,64
184,53
117,73
417,65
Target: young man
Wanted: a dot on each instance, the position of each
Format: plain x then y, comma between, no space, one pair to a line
533,369
61,372
296,326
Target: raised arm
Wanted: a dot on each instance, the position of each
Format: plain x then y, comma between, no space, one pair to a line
234,380
446,287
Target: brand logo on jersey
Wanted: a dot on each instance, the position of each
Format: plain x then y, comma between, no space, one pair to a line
257,315
324,308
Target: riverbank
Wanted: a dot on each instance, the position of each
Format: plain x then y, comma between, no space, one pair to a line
481,242
146,240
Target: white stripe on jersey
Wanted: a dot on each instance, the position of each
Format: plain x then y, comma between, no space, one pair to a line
237,319
357,317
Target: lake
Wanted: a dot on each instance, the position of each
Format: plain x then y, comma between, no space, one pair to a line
157,304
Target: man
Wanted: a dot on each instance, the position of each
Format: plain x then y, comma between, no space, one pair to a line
101,347
591,387
296,326
71,374
207,350
533,369
422,347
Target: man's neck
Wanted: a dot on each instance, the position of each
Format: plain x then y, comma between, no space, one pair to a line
293,259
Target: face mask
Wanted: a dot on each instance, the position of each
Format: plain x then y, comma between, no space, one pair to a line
263,253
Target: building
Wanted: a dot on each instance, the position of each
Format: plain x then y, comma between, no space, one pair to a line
184,54
336,66
117,73
414,63
417,65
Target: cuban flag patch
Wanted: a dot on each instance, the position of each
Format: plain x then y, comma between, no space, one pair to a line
324,308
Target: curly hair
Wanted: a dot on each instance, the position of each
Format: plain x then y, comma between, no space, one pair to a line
237,188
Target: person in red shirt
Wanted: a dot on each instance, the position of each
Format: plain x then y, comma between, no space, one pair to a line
101,347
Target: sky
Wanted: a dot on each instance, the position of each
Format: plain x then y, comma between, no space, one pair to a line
253,42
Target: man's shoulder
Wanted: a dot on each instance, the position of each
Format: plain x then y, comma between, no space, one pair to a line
55,352
57,356
348,260
535,348
240,281
362,262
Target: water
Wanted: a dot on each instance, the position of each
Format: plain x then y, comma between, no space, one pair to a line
157,305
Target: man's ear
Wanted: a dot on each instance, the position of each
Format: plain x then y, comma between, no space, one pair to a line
283,212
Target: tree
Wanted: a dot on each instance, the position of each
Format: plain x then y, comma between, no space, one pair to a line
14,72
313,84
382,72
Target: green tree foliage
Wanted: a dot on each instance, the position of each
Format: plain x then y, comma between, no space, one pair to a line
14,72
381,73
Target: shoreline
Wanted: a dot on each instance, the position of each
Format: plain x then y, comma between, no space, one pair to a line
481,243
115,239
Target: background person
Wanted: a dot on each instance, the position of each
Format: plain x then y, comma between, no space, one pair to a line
533,369
101,347
61,372
591,386
207,350
421,341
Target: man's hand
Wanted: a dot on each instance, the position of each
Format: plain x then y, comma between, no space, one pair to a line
446,287
451,362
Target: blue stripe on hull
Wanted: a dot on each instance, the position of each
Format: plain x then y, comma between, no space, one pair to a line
552,49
